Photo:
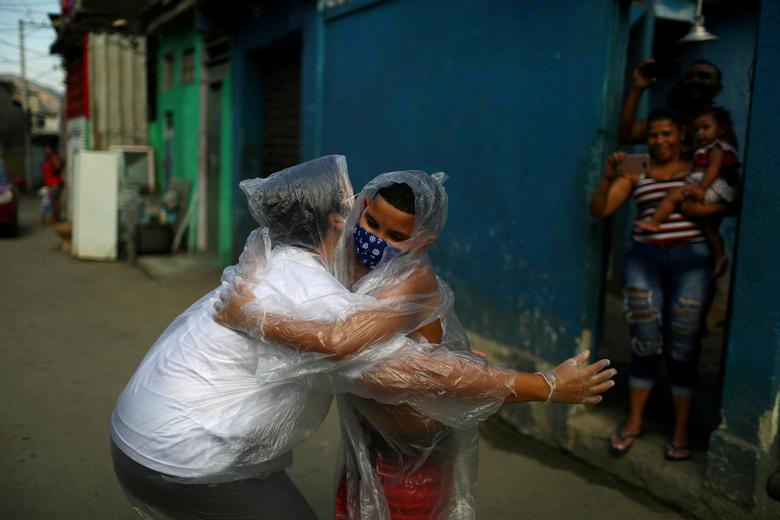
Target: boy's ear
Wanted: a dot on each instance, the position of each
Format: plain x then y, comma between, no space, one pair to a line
335,222
425,243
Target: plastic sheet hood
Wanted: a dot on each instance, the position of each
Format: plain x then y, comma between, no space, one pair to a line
296,203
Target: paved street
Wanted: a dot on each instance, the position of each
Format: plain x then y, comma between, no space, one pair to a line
72,334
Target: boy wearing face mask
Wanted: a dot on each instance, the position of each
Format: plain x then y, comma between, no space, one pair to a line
413,456
385,224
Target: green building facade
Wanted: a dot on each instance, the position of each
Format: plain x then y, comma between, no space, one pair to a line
190,129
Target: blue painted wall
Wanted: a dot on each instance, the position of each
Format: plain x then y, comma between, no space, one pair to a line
510,99
518,101
745,446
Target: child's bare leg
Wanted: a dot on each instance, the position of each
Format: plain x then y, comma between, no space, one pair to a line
664,209
718,247
709,216
700,211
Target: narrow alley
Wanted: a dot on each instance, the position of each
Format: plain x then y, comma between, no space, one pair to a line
75,331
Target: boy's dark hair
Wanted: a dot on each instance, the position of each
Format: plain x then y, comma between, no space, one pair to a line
666,114
399,195
718,73
723,118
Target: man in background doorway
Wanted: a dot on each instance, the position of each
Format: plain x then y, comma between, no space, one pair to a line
694,91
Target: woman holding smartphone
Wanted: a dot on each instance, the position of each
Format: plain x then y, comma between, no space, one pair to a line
667,282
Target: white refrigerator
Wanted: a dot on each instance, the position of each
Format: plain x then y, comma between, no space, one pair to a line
95,205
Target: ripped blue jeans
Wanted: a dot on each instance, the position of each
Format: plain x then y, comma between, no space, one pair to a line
667,294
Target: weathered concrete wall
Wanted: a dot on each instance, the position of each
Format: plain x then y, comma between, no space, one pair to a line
514,104
743,451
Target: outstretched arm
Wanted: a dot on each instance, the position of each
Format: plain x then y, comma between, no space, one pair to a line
462,376
414,373
457,389
453,387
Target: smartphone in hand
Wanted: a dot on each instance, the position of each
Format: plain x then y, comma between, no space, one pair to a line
637,164
662,69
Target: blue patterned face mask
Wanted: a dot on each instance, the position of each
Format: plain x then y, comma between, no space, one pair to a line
370,249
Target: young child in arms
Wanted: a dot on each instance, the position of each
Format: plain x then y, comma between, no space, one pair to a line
714,181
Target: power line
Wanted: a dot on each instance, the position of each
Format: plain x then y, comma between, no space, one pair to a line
23,10
50,69
16,62
42,73
52,3
27,48
44,56
37,26
47,73
30,25
27,4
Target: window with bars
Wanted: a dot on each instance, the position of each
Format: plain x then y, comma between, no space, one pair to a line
167,72
188,67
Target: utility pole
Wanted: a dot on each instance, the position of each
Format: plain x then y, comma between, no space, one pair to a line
25,111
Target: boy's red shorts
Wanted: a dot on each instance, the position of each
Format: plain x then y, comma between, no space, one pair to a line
411,494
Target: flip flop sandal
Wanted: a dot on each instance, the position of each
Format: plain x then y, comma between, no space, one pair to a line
674,447
616,449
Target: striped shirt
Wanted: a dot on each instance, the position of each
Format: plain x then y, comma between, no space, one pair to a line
675,230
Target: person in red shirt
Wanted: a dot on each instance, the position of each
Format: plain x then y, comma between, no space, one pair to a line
52,179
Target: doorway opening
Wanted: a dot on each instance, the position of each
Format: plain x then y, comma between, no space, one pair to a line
658,38
271,119
280,70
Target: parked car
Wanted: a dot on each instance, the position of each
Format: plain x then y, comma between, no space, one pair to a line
9,209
